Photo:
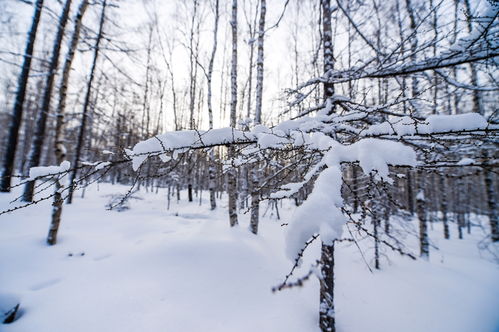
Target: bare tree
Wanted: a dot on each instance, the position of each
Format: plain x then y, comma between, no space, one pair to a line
211,170
59,146
255,174
231,174
86,104
17,113
326,310
41,122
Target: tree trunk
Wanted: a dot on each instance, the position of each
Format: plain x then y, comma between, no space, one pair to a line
59,148
86,104
421,213
326,310
491,203
477,94
255,174
255,200
444,206
17,113
326,313
41,122
211,167
327,42
231,174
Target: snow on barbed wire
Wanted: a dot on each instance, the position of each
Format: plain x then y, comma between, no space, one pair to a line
42,171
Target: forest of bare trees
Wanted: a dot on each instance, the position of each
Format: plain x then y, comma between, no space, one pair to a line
361,113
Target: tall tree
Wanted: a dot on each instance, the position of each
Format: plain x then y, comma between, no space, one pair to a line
86,104
17,114
193,70
41,121
255,176
327,314
211,169
231,174
59,146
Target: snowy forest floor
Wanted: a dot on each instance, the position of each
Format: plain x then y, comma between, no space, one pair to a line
185,270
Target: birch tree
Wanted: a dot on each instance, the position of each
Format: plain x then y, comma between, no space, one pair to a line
255,174
86,104
60,149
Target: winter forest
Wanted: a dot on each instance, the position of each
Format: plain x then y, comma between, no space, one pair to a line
249,165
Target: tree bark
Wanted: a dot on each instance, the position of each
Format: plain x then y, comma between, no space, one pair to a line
86,104
17,113
444,206
255,174
422,217
59,148
231,175
211,167
41,122
491,203
326,310
326,313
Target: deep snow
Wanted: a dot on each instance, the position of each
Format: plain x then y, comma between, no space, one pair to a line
185,270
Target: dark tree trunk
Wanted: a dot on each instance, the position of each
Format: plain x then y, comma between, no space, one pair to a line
17,114
491,203
422,216
326,315
443,206
326,311
86,104
41,122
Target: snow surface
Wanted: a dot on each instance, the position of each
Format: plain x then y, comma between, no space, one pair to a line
185,270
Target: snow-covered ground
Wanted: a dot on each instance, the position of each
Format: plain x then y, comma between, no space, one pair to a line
185,270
